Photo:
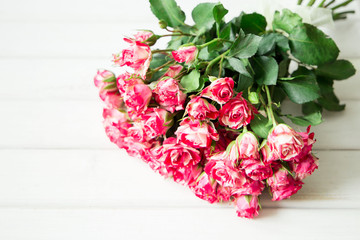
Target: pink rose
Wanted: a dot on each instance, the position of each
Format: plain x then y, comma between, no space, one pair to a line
248,187
156,122
173,71
220,90
116,125
112,99
205,188
284,142
255,169
283,185
186,175
137,56
199,108
196,134
104,78
179,154
126,80
168,95
185,54
246,146
237,113
143,36
217,169
308,139
267,155
247,206
137,97
305,166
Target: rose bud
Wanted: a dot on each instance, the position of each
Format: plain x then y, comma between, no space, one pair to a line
283,185
220,90
146,37
205,188
173,71
196,134
246,146
156,122
169,96
185,54
255,169
199,108
105,79
137,97
217,169
305,166
247,206
137,56
127,80
284,142
237,113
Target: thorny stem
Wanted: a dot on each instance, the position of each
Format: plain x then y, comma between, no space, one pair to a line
322,3
311,2
176,35
331,2
299,2
220,65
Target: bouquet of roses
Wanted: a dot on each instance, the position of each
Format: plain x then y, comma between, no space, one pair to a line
206,111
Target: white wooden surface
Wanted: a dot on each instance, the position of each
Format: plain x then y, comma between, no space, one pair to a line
60,178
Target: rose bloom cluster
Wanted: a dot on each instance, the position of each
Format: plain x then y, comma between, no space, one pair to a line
211,149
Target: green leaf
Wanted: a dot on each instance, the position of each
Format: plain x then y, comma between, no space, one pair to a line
219,12
238,66
261,126
203,16
226,32
270,41
328,99
303,89
311,46
157,60
338,70
206,55
245,47
253,23
168,11
310,107
266,70
244,83
191,82
311,119
253,98
286,21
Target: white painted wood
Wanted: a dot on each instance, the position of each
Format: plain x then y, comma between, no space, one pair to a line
178,224
72,79
112,179
78,124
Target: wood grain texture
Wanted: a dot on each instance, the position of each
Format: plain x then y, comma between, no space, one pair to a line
112,179
178,224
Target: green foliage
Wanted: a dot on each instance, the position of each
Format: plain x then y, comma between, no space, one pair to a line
253,23
337,70
266,70
168,11
257,55
311,46
191,82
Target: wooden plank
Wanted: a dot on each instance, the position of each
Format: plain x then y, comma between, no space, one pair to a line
72,79
111,179
77,124
312,224
96,39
